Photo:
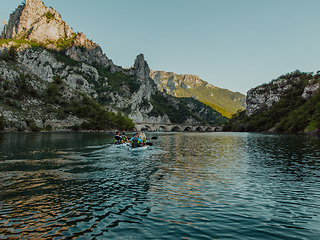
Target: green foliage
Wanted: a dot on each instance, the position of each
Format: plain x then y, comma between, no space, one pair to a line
2,123
80,105
25,89
64,43
291,75
221,110
61,57
58,80
49,15
19,42
4,41
291,114
222,100
20,89
205,111
144,103
9,56
84,107
33,126
124,123
48,128
120,82
176,111
53,93
98,118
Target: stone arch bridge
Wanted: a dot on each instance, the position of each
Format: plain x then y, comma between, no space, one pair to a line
165,127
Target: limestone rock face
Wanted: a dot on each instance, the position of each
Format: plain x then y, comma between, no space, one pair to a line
141,70
46,67
268,94
42,68
310,90
50,29
169,81
35,21
36,69
91,56
256,100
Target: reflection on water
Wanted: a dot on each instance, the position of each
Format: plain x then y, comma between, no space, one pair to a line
188,186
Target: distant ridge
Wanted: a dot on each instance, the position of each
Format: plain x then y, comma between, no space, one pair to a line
185,85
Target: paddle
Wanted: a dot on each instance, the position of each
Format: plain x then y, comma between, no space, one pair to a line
154,138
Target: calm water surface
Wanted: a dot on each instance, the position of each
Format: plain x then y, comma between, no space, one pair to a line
188,186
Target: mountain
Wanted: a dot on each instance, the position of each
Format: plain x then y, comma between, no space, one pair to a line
290,103
52,78
222,100
35,22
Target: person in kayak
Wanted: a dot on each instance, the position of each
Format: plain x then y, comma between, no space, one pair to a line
124,137
143,137
117,138
136,141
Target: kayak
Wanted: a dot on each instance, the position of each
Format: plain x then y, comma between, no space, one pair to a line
121,145
138,148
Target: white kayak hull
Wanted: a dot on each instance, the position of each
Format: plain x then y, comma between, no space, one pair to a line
138,148
121,145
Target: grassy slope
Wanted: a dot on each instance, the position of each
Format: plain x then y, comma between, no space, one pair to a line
222,100
218,99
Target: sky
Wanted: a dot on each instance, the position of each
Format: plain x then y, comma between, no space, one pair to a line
232,44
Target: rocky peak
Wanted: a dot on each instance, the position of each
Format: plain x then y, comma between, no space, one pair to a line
34,21
141,68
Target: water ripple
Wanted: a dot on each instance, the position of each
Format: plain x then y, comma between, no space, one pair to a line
189,186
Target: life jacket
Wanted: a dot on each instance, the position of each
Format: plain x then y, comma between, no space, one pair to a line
135,142
117,139
124,138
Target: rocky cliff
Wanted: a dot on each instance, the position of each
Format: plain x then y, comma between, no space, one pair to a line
35,22
37,69
266,95
290,103
51,76
186,85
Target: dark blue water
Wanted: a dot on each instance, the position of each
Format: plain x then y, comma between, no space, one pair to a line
188,186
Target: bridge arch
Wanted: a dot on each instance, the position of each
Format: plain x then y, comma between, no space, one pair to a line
161,129
199,129
175,129
146,128
165,127
208,129
188,129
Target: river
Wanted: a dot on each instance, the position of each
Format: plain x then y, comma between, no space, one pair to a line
187,186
